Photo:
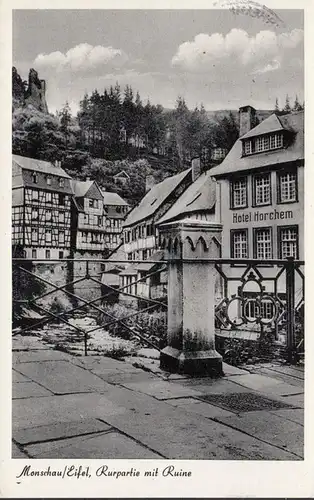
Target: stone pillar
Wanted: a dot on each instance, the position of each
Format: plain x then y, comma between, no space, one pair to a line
191,296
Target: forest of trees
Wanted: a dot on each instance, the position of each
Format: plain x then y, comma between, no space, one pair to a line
115,131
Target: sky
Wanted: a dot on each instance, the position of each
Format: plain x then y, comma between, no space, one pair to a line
219,58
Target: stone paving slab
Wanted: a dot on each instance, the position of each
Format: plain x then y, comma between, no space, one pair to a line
17,453
297,400
265,384
292,371
295,415
182,435
124,378
160,389
270,428
230,370
71,407
62,377
40,355
53,447
213,386
196,406
59,430
18,377
282,377
23,390
112,445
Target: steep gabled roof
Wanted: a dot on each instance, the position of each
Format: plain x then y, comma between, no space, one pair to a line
111,198
80,188
155,198
123,173
271,124
199,196
45,167
294,151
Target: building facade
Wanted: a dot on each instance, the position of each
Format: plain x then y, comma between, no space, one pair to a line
260,188
115,212
260,202
88,218
41,208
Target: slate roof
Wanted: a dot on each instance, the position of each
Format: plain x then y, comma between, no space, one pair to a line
235,162
80,188
111,198
155,197
271,124
143,266
45,167
199,196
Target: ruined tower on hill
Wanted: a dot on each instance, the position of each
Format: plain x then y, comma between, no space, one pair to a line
29,93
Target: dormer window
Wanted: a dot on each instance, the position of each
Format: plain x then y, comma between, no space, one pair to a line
262,143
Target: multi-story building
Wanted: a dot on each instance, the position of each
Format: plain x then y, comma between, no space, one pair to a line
115,211
140,233
260,186
88,219
41,208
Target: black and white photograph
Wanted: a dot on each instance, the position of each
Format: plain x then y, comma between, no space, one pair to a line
158,242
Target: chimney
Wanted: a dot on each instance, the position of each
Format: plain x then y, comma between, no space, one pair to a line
196,168
87,179
247,116
149,183
57,163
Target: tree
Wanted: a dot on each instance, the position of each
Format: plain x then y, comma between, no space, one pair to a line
276,106
287,108
65,121
297,106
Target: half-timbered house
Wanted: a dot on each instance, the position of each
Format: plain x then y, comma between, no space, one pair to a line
41,208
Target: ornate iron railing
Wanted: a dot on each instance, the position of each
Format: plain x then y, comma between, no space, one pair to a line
262,296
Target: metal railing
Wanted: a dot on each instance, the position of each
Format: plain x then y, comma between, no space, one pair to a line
263,296
30,290
251,295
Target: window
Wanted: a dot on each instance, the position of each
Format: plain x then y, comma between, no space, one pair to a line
49,180
262,189
84,237
34,254
35,178
48,236
61,182
61,199
48,215
99,221
34,236
262,143
61,217
60,255
34,214
95,203
130,256
287,187
239,244
47,254
35,195
288,242
61,237
48,197
239,193
251,309
263,243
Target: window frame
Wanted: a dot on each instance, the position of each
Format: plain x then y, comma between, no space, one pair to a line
255,231
254,178
278,181
232,234
231,184
280,229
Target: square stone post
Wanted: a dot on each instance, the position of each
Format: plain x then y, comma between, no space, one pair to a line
191,296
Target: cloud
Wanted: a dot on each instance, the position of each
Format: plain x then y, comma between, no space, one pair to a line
260,53
82,57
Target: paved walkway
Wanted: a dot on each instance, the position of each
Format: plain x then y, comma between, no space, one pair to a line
97,407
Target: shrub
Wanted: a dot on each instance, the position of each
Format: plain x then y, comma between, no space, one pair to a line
237,351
